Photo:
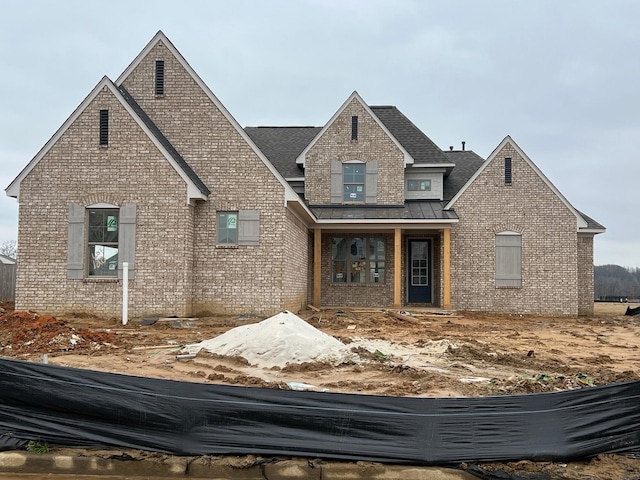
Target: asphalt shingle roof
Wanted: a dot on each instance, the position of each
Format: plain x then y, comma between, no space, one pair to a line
282,145
165,142
467,163
414,141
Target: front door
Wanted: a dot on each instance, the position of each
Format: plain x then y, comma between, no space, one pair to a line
419,270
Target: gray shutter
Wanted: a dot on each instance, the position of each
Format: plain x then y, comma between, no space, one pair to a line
75,242
371,182
248,227
337,187
127,239
508,261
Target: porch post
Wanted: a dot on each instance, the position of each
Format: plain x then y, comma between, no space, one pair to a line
317,263
446,269
397,269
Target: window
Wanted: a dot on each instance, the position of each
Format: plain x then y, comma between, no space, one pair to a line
353,181
159,78
238,228
508,260
104,127
419,185
103,242
101,238
227,228
507,171
358,260
354,128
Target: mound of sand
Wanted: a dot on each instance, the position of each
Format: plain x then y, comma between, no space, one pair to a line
275,342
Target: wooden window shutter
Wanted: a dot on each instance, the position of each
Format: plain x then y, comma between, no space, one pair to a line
336,181
127,239
508,261
248,227
75,242
371,182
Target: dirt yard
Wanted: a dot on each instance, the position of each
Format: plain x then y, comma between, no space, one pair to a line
413,353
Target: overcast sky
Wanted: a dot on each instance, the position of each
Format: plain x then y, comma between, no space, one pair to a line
561,77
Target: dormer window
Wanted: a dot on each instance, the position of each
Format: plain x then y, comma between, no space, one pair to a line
354,128
104,128
353,175
159,78
419,185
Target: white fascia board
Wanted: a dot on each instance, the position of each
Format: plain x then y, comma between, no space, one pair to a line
349,224
294,179
592,231
290,195
408,159
581,223
442,166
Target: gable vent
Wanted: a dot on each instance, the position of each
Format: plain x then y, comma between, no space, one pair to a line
507,171
104,127
159,77
354,127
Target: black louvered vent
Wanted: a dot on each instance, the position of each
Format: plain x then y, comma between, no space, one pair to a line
354,127
104,127
507,171
159,77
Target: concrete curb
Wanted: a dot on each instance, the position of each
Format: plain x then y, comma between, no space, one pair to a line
220,468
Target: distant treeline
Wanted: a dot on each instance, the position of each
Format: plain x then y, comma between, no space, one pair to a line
613,281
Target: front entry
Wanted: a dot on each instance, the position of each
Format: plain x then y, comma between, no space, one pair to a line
419,271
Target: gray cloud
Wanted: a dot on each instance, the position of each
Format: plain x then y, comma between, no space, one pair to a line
559,77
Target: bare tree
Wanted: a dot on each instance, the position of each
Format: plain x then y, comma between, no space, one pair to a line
9,248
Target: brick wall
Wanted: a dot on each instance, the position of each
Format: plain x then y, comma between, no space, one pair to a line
549,243
242,279
585,274
129,170
372,144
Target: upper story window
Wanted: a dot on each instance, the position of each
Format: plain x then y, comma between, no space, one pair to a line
419,185
104,128
507,171
353,182
354,128
159,84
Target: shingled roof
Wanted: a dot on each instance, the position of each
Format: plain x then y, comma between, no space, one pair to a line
414,141
282,145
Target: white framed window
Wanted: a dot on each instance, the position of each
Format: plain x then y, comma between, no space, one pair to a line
508,260
419,185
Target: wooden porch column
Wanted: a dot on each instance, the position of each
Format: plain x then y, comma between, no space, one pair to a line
317,263
446,269
397,268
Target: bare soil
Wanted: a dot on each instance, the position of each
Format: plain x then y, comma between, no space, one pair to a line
420,353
